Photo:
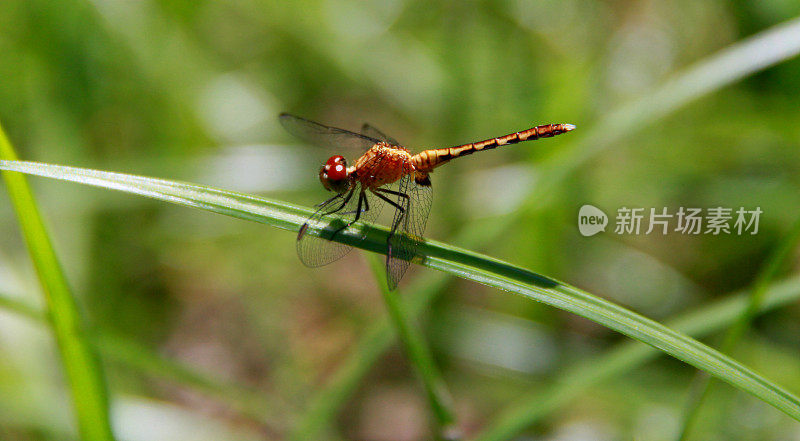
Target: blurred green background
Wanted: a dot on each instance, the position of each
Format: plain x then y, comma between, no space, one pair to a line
190,90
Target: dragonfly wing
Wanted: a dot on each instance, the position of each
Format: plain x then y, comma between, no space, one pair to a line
372,132
408,227
324,136
315,244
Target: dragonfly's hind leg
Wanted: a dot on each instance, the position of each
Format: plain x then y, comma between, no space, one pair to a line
399,207
396,193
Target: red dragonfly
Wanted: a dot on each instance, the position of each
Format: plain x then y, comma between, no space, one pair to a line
387,173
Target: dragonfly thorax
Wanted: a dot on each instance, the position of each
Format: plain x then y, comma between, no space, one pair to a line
334,174
383,164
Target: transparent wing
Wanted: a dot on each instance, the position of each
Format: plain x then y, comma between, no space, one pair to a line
408,227
324,136
372,132
330,219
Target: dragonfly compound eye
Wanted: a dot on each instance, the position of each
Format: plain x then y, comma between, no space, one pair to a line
333,174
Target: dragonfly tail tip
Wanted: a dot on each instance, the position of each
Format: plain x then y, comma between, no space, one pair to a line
569,127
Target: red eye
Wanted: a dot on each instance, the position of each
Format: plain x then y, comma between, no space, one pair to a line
336,168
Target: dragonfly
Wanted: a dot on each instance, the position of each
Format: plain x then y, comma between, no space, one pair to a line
385,174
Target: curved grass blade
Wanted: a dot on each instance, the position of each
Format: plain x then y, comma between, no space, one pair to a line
83,371
456,261
576,380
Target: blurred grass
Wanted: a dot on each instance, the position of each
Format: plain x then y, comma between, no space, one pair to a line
702,384
138,357
706,76
179,89
82,368
517,416
326,402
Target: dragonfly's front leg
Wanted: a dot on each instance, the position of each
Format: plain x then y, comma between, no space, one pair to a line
358,211
362,199
345,200
342,205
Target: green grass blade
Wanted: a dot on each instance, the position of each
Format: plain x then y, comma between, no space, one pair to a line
702,383
576,380
243,206
82,368
419,355
463,263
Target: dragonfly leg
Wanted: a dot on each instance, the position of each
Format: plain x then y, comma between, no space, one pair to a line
399,207
359,211
346,199
362,198
378,192
396,193
342,205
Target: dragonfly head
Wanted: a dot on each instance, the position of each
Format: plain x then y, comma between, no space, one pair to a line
334,175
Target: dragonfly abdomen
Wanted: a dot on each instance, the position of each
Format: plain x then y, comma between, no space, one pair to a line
429,159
